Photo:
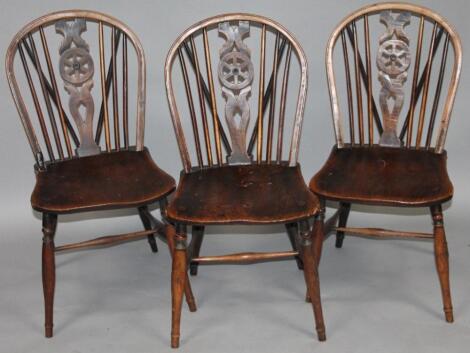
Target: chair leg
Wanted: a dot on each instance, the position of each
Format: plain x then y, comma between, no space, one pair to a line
343,219
178,282
49,225
441,255
292,231
318,231
148,226
195,247
188,292
311,276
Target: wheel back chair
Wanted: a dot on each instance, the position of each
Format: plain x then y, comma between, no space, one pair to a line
78,171
387,161
250,186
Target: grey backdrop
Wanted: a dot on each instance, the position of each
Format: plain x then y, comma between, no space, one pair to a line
378,296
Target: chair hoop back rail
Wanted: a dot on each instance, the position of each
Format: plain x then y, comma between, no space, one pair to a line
393,63
236,72
76,68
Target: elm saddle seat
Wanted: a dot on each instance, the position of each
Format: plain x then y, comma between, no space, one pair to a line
250,194
384,175
108,180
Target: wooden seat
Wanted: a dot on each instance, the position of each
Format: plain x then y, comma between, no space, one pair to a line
104,181
281,195
385,176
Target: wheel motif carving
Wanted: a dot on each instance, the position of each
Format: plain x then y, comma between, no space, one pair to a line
76,69
236,72
76,66
393,61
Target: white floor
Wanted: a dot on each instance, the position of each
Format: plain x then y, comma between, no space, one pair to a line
378,296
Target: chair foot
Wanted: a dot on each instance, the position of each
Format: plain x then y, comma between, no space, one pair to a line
48,331
153,243
175,341
343,219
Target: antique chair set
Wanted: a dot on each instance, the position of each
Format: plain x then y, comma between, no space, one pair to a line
234,173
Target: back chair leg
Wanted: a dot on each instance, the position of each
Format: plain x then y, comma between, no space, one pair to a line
148,225
49,225
292,231
441,254
195,247
311,273
343,219
178,282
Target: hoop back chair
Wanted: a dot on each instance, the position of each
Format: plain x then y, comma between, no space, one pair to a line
394,152
228,180
76,169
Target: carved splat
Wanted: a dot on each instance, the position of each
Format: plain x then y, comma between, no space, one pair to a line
76,69
236,73
393,61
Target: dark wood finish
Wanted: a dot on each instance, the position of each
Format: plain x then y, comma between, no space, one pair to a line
395,172
384,176
84,184
251,187
250,194
344,209
195,247
292,233
70,182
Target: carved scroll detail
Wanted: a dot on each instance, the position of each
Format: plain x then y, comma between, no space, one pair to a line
236,73
76,69
393,61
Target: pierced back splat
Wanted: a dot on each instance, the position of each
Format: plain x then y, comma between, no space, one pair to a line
76,69
236,75
393,61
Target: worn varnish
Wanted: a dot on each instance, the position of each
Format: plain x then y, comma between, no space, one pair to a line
108,180
242,194
385,176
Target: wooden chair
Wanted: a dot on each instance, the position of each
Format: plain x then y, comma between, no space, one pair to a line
383,161
79,172
260,187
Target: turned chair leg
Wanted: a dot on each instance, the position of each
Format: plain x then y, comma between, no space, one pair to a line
292,231
188,292
441,255
148,226
49,225
195,247
178,282
311,274
343,219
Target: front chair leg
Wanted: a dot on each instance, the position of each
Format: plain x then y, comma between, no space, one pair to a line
178,282
311,277
148,226
441,255
195,247
292,231
49,225
343,219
